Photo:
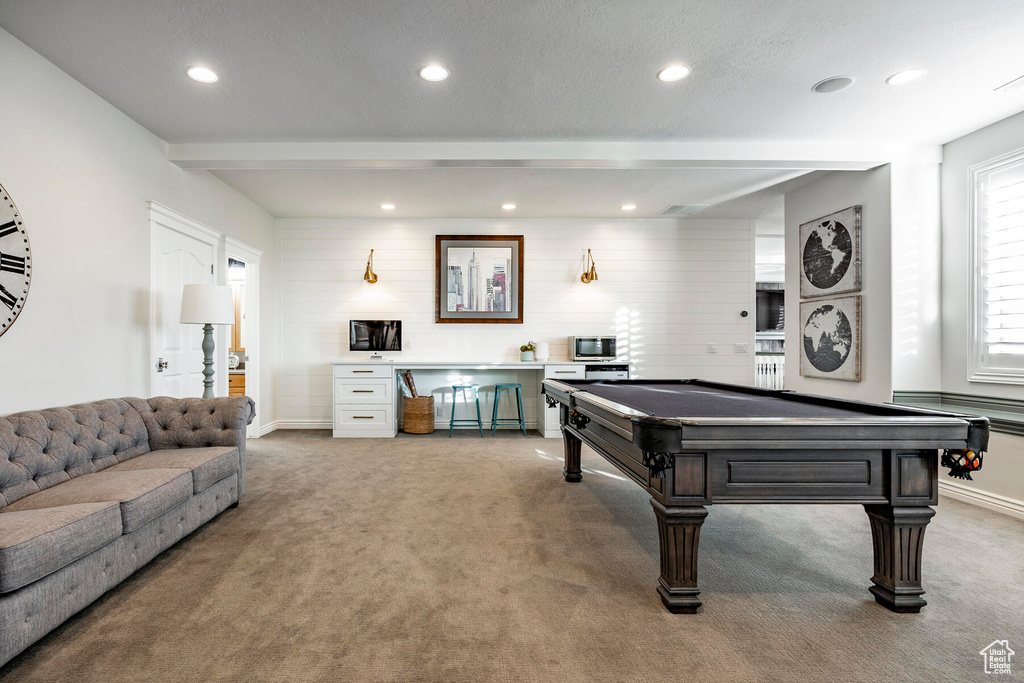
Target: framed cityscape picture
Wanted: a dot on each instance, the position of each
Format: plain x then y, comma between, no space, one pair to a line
830,254
479,279
830,338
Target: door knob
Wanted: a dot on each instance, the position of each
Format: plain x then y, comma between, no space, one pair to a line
161,365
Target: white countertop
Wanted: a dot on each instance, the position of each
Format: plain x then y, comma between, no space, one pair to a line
465,365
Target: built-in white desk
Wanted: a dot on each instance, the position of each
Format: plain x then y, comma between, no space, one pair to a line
367,401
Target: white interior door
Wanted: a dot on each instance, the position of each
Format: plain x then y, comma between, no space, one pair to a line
178,259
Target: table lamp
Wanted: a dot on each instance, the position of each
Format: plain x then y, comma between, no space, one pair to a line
207,305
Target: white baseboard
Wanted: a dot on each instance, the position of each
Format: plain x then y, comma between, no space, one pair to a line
304,424
266,429
992,501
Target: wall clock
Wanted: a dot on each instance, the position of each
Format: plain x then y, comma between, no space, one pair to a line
15,262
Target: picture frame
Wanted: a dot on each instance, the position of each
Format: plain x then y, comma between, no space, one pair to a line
478,279
830,254
830,338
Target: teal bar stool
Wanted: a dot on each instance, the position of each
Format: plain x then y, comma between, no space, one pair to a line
475,388
495,420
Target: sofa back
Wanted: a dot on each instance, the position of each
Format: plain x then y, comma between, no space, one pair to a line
197,423
42,448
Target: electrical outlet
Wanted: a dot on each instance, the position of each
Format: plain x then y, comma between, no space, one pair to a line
407,344
712,348
739,348
437,411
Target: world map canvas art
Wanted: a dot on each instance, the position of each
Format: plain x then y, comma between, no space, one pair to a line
830,336
830,254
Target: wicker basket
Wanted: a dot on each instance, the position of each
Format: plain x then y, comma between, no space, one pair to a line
418,415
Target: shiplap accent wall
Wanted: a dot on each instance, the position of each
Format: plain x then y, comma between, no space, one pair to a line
667,288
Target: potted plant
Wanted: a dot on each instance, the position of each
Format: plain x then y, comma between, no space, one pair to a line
526,351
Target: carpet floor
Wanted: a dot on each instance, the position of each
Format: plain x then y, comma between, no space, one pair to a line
429,559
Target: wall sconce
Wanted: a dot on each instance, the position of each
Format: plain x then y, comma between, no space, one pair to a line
370,276
589,275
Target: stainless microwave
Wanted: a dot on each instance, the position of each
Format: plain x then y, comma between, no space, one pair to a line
592,348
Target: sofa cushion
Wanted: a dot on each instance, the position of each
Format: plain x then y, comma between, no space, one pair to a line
36,543
197,423
42,448
143,495
208,465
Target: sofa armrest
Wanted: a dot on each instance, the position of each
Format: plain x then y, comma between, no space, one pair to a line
197,423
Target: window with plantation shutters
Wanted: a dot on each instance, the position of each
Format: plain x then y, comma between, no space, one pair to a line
998,287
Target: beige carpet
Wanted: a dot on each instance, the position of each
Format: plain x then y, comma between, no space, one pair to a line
429,559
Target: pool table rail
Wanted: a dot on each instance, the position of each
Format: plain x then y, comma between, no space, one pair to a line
919,428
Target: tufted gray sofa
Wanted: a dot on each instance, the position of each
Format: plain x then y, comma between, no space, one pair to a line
90,493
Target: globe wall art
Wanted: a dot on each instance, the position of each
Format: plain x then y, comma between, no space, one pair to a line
830,338
830,254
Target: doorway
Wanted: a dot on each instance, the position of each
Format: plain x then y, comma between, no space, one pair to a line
182,252
243,345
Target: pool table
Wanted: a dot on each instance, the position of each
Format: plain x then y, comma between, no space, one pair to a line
692,443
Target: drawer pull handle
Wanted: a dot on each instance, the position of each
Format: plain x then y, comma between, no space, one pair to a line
363,391
565,372
362,417
362,371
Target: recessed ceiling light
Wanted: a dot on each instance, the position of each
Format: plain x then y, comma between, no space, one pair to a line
433,72
508,207
388,207
906,76
673,72
201,74
833,84
628,207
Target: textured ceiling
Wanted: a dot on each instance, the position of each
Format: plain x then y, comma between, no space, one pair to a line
536,69
533,70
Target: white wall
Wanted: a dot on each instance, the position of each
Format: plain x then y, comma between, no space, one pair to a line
81,173
1003,472
836,191
916,274
770,242
915,314
958,156
667,288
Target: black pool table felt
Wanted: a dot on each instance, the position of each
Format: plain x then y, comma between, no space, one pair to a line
691,400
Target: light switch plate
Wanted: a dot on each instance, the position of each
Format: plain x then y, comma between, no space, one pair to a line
740,348
712,348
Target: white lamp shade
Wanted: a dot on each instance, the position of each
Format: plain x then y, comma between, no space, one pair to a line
207,304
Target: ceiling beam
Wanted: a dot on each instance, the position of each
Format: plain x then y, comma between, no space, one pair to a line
580,154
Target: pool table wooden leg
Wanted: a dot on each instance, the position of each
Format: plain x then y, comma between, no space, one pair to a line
573,446
897,534
678,538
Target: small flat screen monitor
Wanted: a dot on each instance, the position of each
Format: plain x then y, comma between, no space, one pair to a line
375,335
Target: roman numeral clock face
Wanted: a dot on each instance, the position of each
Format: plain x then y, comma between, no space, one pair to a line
15,262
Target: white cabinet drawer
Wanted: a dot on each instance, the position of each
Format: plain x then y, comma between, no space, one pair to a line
363,390
373,417
361,370
565,371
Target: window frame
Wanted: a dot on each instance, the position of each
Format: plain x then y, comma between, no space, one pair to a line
978,370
